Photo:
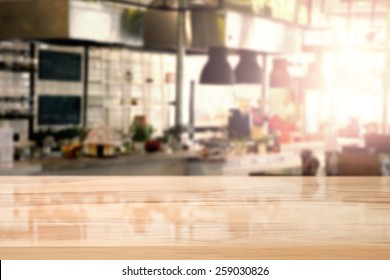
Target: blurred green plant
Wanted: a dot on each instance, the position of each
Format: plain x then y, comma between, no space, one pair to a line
141,133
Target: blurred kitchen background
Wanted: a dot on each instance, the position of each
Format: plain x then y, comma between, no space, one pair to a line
195,87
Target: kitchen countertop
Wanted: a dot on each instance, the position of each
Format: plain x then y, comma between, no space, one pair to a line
233,165
20,168
288,150
169,164
194,218
53,164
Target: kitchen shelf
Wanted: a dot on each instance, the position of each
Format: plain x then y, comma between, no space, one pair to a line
13,99
16,117
15,71
6,51
17,67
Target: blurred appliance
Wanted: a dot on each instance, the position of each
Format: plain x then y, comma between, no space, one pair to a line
239,125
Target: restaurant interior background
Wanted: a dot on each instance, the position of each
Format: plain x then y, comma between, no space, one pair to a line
200,87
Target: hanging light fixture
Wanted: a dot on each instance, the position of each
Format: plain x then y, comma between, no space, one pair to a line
217,70
313,79
248,70
280,78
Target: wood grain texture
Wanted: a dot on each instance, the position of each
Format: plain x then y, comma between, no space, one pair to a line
194,218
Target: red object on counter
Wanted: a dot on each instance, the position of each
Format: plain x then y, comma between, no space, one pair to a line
278,124
152,146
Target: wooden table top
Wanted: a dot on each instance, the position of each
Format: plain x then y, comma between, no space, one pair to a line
194,218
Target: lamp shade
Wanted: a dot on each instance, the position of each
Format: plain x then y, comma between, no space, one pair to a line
313,79
217,70
280,78
248,70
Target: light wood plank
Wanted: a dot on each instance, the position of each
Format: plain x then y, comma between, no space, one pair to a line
194,218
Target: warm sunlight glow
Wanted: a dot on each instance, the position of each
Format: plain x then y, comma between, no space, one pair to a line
354,86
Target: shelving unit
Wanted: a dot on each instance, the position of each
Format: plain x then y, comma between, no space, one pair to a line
16,103
124,84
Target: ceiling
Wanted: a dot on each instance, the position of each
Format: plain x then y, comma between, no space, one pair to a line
331,6
173,2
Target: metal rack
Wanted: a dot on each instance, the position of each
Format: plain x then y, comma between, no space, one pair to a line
16,102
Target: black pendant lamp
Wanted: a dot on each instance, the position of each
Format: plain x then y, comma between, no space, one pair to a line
280,78
248,70
217,70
